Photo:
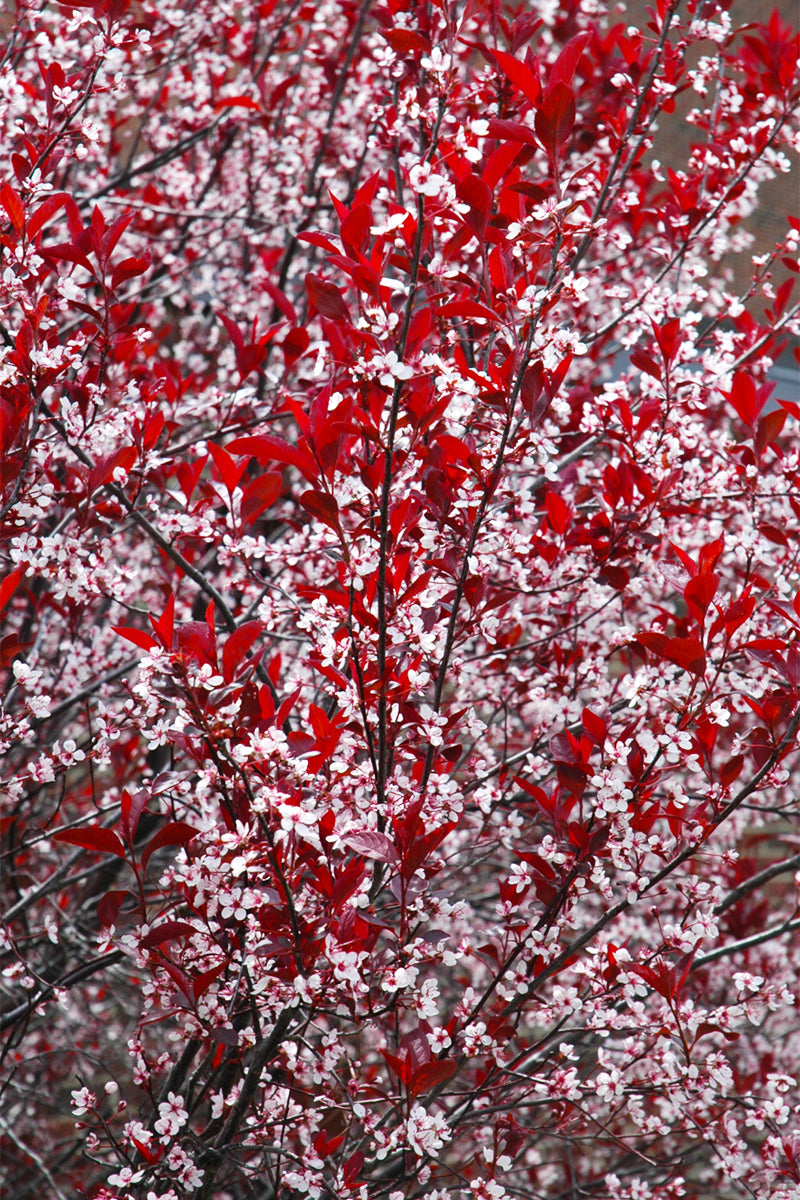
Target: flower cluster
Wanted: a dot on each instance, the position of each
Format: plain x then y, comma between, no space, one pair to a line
400,668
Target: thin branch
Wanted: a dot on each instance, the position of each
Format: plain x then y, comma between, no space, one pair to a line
144,523
755,881
7,1020
755,939
84,693
261,1056
38,1162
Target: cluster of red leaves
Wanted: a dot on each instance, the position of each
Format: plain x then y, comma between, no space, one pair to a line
364,372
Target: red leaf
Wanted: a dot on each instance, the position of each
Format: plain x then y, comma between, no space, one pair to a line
432,1073
202,983
595,727
131,809
317,239
325,1147
129,268
772,533
326,298
555,118
108,907
230,472
108,237
47,209
234,333
739,611
237,102
698,594
69,253
188,476
281,301
642,360
237,646
768,429
322,506
731,770
403,41
520,75
559,513
355,228
164,625
286,705
710,554
687,653
176,833
416,1047
22,166
669,337
166,932
661,979
351,1169
538,794
295,344
9,586
513,131
744,398
10,647
103,470
468,309
689,565
260,495
102,841
153,425
196,640
371,844
478,195
563,69
13,206
271,449
535,393
138,636
182,982
616,577
400,1066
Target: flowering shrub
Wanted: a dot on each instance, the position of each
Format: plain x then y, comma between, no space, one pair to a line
400,657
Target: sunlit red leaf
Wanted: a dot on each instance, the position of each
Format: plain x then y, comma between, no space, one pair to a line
9,585
371,844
